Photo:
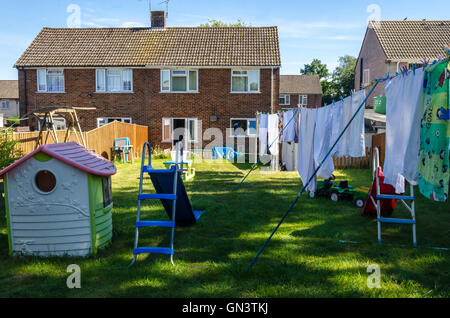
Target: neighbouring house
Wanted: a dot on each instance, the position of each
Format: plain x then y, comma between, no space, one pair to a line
166,78
9,99
390,45
300,90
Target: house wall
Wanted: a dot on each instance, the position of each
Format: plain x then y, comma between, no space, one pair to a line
54,224
147,106
13,110
373,58
314,100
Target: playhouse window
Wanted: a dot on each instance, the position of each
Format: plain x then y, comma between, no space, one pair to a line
45,181
107,192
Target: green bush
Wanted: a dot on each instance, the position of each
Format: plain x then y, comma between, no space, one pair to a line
8,151
13,121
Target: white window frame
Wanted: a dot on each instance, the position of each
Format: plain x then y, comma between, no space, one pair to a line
248,91
7,103
112,119
247,134
171,75
167,139
366,76
46,80
105,81
303,100
287,99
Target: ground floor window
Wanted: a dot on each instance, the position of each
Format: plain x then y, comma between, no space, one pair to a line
5,104
243,127
303,100
106,120
58,122
173,127
285,99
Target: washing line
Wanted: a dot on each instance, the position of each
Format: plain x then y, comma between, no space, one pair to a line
255,259
276,139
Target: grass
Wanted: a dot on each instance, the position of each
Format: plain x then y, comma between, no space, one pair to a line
304,259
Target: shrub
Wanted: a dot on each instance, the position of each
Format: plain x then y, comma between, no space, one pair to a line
8,151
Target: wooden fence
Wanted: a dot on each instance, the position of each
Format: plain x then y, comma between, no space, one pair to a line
354,163
101,140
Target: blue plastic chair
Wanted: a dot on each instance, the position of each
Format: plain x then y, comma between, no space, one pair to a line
123,147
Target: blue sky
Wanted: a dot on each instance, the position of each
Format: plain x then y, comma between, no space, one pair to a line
323,29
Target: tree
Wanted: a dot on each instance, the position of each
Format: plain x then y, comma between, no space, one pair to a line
316,68
343,76
213,23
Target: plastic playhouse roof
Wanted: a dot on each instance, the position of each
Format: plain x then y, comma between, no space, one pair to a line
74,155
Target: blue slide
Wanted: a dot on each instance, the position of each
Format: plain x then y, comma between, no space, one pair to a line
163,182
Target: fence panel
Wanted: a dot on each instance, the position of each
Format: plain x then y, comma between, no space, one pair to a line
353,163
101,140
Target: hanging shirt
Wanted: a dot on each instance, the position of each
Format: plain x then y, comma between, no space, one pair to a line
306,166
273,134
357,139
288,126
434,175
404,96
322,139
263,124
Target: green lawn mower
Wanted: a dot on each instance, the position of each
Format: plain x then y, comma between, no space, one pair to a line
343,191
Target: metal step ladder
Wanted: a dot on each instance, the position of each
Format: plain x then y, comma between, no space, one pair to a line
401,198
167,196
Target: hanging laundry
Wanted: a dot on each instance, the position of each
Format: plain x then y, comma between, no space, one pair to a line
357,139
263,125
336,122
289,126
344,144
322,139
306,166
433,168
273,134
404,98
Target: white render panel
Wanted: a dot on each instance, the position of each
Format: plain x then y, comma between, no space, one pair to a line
53,224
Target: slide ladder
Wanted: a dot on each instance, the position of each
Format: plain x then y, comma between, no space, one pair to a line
402,198
167,197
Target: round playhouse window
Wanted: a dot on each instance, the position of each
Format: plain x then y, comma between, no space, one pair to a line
45,181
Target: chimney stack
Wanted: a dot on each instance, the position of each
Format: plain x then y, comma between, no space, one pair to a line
158,19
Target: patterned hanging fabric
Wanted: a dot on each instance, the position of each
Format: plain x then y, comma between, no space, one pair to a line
434,174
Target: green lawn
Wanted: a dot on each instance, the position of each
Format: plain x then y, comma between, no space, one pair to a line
304,259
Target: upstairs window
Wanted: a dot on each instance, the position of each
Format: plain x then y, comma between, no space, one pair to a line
366,77
285,100
50,81
5,104
245,81
114,81
179,81
303,100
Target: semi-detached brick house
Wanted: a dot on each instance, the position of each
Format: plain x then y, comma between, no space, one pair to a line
390,45
164,78
300,90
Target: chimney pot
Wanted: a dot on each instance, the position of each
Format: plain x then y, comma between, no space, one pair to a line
158,19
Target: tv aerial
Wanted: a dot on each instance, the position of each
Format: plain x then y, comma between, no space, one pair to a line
166,2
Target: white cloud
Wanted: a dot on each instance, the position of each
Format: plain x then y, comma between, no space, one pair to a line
132,24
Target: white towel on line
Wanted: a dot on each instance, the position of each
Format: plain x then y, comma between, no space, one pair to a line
288,126
306,166
322,139
273,134
357,140
404,96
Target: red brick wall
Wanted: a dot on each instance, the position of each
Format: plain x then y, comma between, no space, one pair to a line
374,59
314,101
147,106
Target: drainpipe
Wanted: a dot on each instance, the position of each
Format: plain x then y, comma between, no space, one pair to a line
271,92
398,66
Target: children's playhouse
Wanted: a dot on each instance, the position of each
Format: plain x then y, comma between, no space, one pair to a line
58,202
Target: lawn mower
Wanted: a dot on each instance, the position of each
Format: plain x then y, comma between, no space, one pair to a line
343,191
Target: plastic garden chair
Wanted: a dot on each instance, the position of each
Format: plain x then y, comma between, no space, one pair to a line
123,148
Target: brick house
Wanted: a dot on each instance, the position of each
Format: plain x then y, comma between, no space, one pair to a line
9,99
162,77
300,90
390,45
